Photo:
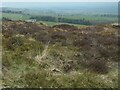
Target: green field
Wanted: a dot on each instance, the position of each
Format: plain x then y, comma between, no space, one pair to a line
94,19
26,17
15,16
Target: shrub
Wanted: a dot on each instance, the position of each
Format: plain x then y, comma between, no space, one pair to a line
82,41
98,66
58,37
13,42
42,37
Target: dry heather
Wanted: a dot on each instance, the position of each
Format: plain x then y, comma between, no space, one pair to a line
37,55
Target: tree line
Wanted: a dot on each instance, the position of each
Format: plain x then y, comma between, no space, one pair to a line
62,20
10,11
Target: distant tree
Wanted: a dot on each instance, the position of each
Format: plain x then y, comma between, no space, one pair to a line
62,20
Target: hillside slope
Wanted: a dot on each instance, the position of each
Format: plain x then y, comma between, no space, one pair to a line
37,55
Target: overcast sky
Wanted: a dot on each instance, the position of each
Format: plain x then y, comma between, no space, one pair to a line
59,0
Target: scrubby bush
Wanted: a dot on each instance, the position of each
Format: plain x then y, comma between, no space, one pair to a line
98,66
58,37
13,42
73,58
83,41
42,37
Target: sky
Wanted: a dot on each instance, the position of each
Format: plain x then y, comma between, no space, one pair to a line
59,0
